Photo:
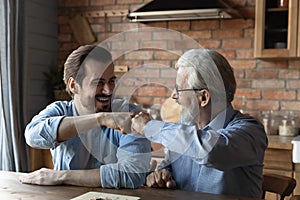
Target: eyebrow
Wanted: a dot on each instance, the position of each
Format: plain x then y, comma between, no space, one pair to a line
102,79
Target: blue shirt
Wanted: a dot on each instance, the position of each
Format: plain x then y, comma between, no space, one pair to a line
225,157
123,159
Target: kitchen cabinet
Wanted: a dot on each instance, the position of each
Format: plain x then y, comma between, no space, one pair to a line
278,160
277,29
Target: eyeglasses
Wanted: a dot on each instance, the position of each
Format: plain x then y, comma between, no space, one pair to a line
190,89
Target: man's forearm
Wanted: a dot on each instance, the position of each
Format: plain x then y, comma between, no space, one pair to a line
72,126
87,178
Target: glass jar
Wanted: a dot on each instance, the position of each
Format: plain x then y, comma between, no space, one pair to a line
289,125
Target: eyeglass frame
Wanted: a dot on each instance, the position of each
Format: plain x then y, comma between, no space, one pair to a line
188,89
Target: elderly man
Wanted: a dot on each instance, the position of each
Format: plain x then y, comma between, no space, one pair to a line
213,148
86,146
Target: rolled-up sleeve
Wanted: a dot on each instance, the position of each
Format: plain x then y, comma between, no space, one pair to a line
41,132
134,155
241,143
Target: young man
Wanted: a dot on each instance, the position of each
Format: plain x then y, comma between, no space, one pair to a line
214,148
86,150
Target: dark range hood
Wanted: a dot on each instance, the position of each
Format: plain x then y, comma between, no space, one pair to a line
166,10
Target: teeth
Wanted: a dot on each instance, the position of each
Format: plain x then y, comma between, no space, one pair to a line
103,99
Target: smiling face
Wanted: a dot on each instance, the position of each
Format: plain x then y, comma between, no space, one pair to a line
95,93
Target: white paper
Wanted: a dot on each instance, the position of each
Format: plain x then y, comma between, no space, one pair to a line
104,196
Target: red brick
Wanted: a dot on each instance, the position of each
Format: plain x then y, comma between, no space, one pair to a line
139,55
237,24
272,64
248,93
165,55
145,72
179,25
153,44
227,53
239,73
166,63
152,91
205,34
120,27
205,24
242,83
289,74
237,43
156,24
293,84
210,44
168,73
262,105
168,83
182,44
140,35
294,64
277,84
279,95
227,33
261,74
290,105
242,64
244,53
125,45
167,35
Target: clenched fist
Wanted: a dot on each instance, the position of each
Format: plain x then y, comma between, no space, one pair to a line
139,122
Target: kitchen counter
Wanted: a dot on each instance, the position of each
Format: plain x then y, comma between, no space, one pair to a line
280,142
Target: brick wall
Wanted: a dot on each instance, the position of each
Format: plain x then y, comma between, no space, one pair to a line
267,85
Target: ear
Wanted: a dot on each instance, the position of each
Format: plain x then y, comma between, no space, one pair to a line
72,85
204,98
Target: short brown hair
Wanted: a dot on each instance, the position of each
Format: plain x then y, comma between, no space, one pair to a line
75,59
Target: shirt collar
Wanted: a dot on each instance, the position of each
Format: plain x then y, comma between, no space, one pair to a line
221,120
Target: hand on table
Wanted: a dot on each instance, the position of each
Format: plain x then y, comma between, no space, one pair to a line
43,176
160,178
139,122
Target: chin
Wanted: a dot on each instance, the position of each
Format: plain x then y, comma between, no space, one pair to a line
104,109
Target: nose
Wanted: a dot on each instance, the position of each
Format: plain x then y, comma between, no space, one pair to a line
107,89
174,94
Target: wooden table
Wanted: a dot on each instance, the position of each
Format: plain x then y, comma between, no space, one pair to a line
12,189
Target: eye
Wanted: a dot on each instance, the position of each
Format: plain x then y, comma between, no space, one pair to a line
100,84
112,82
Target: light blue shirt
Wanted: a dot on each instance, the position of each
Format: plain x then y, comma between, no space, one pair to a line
123,159
225,157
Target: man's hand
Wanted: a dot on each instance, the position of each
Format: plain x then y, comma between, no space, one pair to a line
117,120
139,122
43,177
160,178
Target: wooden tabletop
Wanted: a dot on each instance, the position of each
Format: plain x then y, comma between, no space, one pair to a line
280,142
12,189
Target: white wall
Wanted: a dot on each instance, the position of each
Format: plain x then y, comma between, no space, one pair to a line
40,51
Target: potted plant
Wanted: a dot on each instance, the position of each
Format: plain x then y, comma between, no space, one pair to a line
56,85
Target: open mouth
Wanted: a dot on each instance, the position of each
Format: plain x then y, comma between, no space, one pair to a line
103,99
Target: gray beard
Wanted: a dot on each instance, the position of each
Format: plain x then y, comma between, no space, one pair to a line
190,115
